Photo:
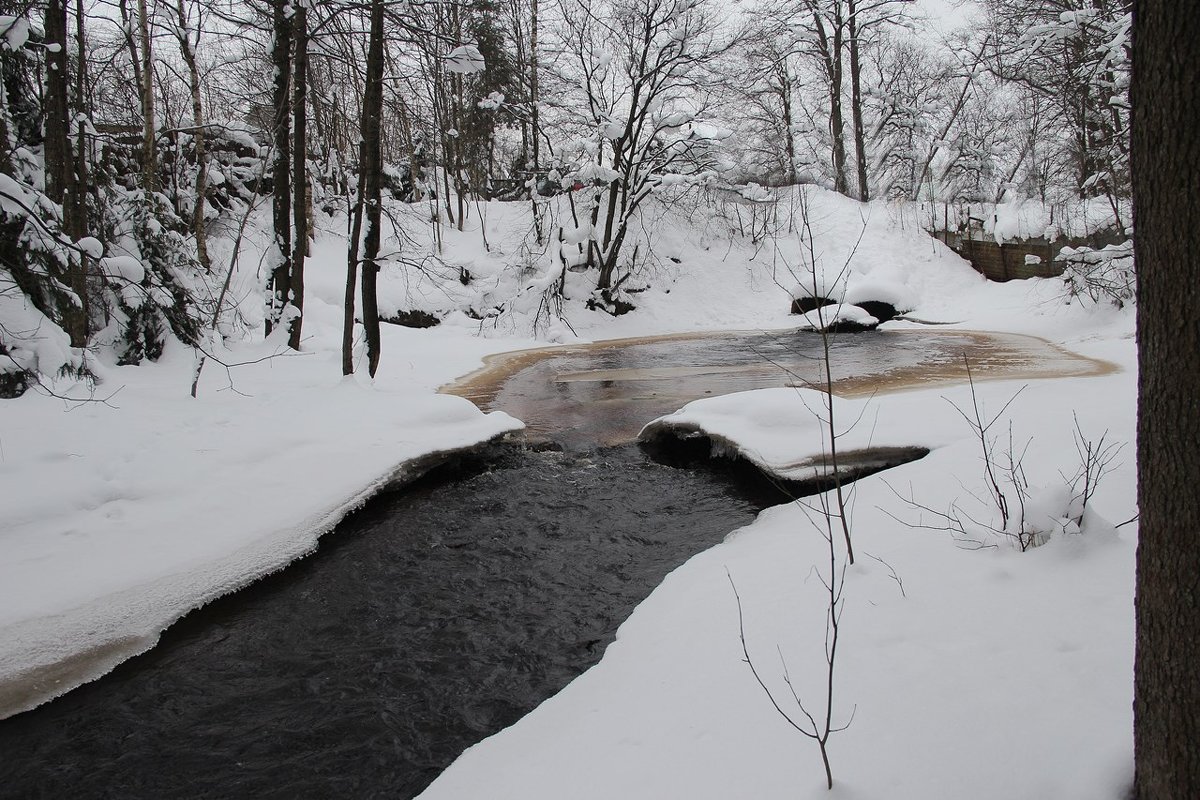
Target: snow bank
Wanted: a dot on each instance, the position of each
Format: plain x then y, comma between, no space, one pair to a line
785,431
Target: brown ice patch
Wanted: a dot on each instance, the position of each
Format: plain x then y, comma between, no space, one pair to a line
992,357
482,385
604,392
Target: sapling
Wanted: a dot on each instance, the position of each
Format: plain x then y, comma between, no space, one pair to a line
829,516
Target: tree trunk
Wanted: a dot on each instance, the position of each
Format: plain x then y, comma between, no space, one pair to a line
1166,159
352,271
61,180
837,121
856,103
131,44
279,290
372,164
789,141
149,129
57,147
75,216
299,167
533,85
188,52
829,45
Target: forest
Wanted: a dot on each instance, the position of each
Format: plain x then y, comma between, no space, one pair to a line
141,142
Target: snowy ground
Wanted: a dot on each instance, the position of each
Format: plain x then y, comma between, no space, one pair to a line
971,673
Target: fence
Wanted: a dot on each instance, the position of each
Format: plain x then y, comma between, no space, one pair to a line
1015,260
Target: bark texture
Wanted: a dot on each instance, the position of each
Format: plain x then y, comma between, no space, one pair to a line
1166,161
856,104
149,127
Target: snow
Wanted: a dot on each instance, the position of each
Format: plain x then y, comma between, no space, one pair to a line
970,673
14,31
828,317
14,200
43,348
127,267
1029,218
123,515
465,60
983,673
91,246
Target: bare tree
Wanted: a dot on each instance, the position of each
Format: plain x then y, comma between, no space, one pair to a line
1076,54
645,100
862,18
185,28
279,278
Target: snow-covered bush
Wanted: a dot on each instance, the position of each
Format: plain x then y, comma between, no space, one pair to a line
151,275
1100,276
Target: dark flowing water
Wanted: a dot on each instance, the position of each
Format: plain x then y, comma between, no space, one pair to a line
436,616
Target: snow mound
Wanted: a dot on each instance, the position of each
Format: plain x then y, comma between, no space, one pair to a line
840,318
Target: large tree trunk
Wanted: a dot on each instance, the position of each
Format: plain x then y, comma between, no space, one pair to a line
279,289
1166,160
57,131
299,168
372,167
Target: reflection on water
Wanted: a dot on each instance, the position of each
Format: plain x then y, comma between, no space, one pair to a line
607,391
